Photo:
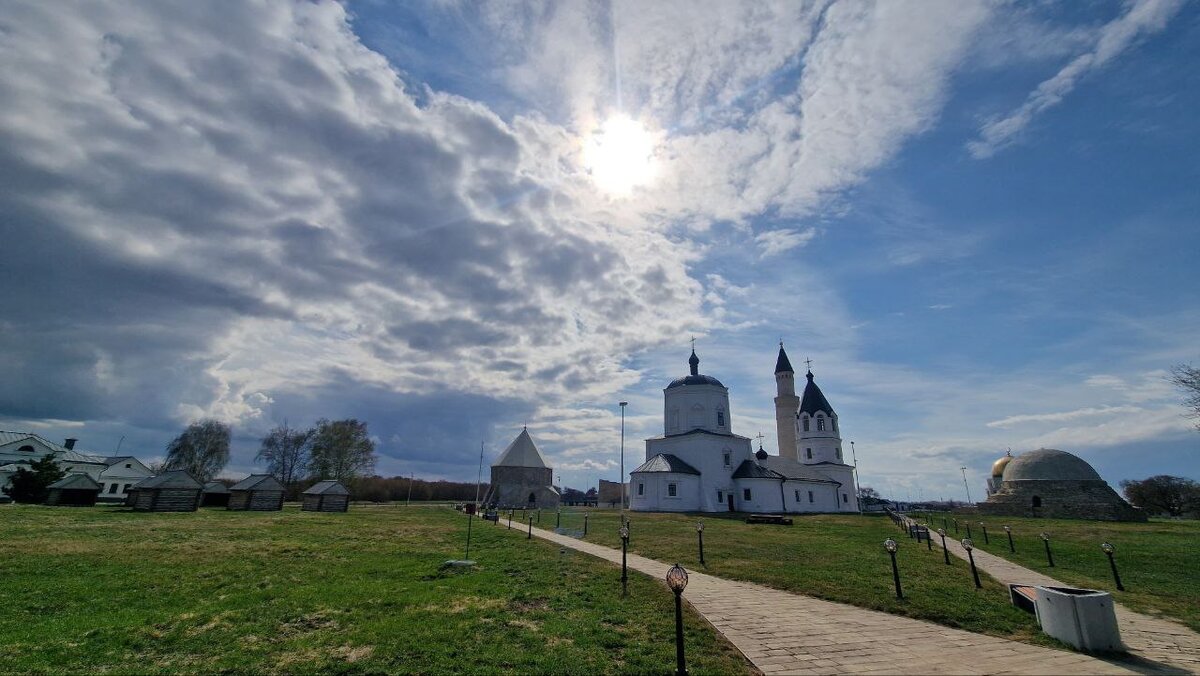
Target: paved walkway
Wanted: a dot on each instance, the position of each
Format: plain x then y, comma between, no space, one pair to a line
1149,639
784,633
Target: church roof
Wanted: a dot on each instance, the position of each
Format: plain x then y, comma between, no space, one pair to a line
522,452
665,462
782,365
813,400
701,430
695,377
752,470
792,469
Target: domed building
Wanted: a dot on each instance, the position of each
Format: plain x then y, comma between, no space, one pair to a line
1052,483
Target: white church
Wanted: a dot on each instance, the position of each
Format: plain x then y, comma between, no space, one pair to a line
699,465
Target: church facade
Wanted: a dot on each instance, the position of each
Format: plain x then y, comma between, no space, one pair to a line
699,465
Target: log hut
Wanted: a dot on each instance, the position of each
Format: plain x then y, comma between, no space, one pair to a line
173,491
326,496
215,494
74,490
256,493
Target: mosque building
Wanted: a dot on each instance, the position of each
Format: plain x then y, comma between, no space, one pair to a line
1053,483
699,465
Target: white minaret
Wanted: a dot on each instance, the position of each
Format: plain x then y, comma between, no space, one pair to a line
819,442
786,405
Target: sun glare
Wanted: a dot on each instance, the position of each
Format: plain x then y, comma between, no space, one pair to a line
619,155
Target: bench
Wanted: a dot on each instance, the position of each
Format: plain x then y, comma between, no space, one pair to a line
777,519
1023,596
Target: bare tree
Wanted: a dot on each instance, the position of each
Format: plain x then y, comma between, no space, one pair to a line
341,450
202,450
1187,379
286,453
1163,493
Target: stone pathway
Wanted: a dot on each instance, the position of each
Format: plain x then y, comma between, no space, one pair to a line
1150,640
785,633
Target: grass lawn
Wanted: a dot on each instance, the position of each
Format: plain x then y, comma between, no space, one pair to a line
104,589
835,557
1159,562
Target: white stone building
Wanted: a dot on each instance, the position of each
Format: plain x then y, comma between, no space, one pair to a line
521,477
699,465
114,474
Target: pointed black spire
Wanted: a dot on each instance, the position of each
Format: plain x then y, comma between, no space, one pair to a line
694,362
782,365
813,399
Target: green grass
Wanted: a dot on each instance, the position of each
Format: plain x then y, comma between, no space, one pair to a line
1159,562
835,557
107,590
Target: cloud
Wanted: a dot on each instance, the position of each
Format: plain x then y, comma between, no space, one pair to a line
774,242
1143,18
1062,416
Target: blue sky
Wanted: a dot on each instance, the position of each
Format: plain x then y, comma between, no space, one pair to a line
979,220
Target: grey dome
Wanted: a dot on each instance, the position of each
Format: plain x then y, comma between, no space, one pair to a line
1048,464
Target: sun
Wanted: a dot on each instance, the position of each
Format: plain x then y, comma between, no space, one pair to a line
620,155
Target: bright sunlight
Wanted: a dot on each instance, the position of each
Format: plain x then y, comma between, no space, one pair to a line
619,155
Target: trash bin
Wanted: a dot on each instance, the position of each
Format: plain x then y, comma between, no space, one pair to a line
1084,618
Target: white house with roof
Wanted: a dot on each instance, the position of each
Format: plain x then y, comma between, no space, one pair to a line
699,465
116,474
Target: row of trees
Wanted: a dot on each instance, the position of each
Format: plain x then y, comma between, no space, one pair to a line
399,489
1164,494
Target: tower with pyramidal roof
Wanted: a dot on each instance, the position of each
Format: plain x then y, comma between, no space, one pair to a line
521,477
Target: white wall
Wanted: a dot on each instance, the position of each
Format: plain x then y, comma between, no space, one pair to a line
654,492
706,453
680,402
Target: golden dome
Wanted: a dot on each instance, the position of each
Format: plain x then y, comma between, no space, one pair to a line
999,465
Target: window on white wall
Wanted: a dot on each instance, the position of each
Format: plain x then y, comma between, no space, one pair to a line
745,493
833,421
797,495
113,488
820,424
641,489
720,496
805,423
728,459
127,487
845,498
720,418
672,490
810,496
808,453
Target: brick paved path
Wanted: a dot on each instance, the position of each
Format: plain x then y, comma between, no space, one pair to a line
1148,638
784,633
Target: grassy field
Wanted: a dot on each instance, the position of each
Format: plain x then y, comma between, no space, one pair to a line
103,590
840,558
1159,562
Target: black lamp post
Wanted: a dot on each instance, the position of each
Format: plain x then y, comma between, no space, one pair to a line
628,524
585,518
700,540
968,545
539,516
928,538
968,530
1011,548
890,545
510,516
557,518
945,552
986,541
529,536
1108,551
1049,556
677,580
956,526
944,524
624,533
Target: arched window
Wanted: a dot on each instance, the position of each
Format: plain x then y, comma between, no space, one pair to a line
696,417
720,418
25,449
820,423
805,423
833,422
728,459
532,498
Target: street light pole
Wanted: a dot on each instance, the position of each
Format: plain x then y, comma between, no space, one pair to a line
408,500
621,482
857,495
966,486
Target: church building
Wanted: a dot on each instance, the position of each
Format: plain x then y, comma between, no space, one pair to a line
521,477
699,465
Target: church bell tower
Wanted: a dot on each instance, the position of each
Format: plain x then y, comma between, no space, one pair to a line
786,405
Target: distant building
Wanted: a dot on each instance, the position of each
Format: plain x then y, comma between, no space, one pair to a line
610,492
521,477
119,475
214,494
1052,483
74,490
326,496
20,449
172,491
256,493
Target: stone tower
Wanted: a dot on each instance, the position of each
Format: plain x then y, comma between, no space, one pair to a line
786,405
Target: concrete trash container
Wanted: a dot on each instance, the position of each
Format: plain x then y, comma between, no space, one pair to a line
1084,618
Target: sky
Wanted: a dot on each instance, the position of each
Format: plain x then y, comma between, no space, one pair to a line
452,219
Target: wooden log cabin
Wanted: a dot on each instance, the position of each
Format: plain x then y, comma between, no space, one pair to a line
326,496
173,491
215,494
74,490
256,493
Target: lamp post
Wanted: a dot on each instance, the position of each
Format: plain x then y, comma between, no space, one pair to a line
700,540
408,500
510,516
621,483
1049,556
968,545
965,485
558,517
986,541
1108,551
968,530
628,524
890,545
956,526
928,538
624,533
585,518
529,536
677,580
945,552
1008,531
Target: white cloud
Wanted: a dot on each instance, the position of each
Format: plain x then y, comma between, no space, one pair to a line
1063,416
773,242
1144,17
